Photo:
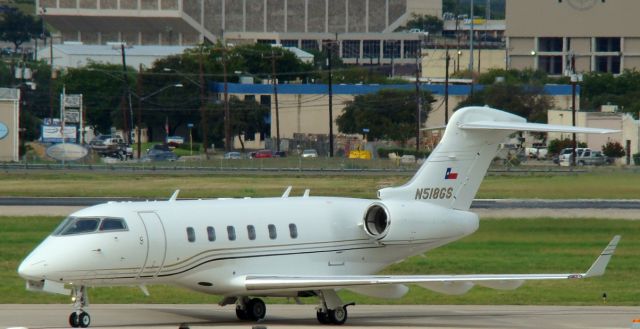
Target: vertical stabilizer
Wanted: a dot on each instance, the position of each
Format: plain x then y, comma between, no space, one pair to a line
450,177
452,174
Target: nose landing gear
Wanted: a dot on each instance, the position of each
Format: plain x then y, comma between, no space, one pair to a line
79,318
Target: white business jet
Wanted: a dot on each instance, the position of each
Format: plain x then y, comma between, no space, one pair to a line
290,246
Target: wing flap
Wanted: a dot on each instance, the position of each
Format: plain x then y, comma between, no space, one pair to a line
451,284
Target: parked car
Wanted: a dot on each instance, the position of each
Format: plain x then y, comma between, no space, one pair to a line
176,140
263,154
280,154
310,153
104,142
232,155
591,158
565,156
159,154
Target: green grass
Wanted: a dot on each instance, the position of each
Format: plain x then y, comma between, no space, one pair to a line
592,185
499,246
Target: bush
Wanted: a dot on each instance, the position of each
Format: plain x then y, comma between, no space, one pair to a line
613,150
384,153
636,159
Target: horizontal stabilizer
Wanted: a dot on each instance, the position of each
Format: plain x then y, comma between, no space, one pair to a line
528,126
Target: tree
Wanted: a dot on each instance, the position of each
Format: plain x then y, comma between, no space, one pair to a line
247,118
526,101
613,150
425,23
599,89
101,89
18,28
389,114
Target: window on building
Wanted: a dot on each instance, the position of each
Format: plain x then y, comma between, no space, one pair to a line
550,44
550,64
608,64
351,49
391,49
251,232
371,48
309,45
266,41
411,48
191,234
231,233
293,231
289,43
607,45
211,233
272,232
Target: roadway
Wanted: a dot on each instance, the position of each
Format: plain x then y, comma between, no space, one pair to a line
303,316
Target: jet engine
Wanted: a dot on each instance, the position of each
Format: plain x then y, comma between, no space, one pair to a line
401,222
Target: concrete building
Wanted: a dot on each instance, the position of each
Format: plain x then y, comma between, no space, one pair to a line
75,54
602,36
363,28
9,124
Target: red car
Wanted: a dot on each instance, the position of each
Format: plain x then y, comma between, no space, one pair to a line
263,154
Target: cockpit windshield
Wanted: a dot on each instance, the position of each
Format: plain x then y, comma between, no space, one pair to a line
82,225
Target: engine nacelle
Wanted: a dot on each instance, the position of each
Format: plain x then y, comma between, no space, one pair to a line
415,221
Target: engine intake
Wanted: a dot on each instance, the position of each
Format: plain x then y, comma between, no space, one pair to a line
377,221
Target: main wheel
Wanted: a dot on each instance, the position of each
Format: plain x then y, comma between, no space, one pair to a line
241,314
338,316
256,309
73,320
84,319
323,317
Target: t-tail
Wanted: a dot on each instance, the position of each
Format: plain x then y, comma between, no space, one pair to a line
452,174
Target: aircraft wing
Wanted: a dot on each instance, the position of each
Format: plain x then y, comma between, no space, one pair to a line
450,284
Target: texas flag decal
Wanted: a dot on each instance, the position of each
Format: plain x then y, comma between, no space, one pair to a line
450,174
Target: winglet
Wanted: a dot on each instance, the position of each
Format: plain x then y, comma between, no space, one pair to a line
174,196
598,267
287,191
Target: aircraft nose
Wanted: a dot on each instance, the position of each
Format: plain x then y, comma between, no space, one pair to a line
31,270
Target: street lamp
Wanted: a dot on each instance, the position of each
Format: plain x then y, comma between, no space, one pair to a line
142,99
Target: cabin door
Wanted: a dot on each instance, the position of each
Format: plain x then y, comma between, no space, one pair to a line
155,241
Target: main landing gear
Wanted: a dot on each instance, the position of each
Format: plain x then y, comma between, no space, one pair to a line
331,310
79,318
250,309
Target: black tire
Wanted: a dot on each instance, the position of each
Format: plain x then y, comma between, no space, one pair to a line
338,316
73,320
256,309
323,317
241,314
84,320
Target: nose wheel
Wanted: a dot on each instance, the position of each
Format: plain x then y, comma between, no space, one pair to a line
79,318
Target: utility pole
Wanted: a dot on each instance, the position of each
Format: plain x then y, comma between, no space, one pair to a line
574,81
274,82
446,86
139,91
471,48
127,94
418,98
330,46
227,115
203,101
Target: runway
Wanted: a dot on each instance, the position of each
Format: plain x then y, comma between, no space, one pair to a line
303,316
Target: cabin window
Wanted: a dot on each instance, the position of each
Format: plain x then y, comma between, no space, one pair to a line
272,232
113,224
251,232
191,234
75,225
211,233
293,231
231,232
